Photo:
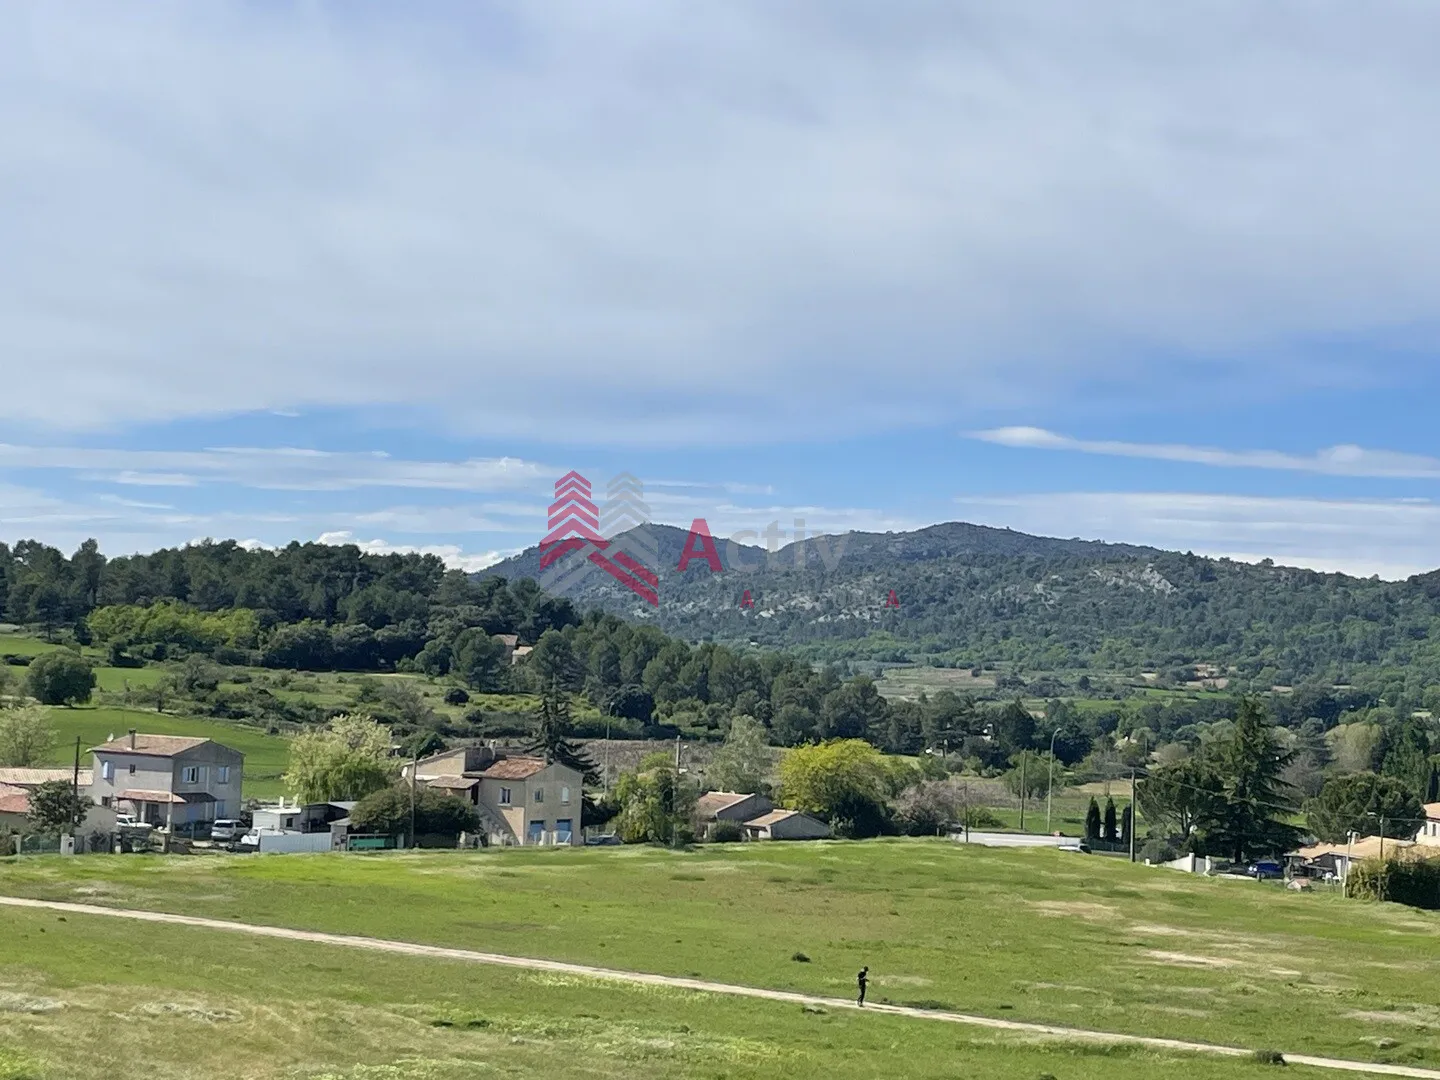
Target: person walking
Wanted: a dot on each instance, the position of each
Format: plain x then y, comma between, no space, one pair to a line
860,981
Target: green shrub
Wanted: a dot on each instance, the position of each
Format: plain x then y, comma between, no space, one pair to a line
726,832
1415,882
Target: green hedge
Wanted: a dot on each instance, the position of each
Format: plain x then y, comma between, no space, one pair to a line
1415,882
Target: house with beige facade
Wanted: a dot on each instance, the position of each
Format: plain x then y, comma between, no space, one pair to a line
167,780
1429,833
522,799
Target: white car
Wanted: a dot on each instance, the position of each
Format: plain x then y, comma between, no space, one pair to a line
129,823
226,830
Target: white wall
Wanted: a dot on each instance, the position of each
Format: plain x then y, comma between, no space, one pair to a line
292,842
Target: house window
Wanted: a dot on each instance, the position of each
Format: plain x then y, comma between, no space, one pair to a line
132,770
539,794
107,770
536,833
190,774
105,800
504,796
223,774
564,796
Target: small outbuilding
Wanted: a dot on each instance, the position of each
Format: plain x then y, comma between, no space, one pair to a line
786,825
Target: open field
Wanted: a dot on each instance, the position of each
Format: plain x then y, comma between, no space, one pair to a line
1038,935
87,998
911,681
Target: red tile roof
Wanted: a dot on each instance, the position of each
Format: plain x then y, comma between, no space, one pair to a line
453,783
15,804
712,802
151,745
140,795
516,768
35,777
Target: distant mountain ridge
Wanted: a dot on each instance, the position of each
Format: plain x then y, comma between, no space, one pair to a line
969,594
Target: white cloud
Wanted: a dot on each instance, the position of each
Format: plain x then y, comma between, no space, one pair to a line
1362,536
757,220
454,557
1342,460
280,468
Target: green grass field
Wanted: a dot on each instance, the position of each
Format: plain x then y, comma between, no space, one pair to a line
1030,935
91,999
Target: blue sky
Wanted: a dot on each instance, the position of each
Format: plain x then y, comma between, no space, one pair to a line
384,272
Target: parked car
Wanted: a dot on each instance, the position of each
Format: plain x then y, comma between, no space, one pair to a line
224,830
130,823
603,841
1265,869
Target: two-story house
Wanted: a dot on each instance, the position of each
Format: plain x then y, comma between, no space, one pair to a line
167,780
522,799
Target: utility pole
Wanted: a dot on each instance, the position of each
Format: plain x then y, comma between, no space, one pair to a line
414,768
677,756
1024,757
75,786
1382,838
965,794
605,778
1132,814
1050,781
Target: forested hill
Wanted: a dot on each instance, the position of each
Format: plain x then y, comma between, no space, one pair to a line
970,595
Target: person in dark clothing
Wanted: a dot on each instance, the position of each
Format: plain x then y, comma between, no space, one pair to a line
860,981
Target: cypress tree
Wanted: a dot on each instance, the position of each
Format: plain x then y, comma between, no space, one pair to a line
1127,823
1092,821
1111,834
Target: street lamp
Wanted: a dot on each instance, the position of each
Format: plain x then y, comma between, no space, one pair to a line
1050,781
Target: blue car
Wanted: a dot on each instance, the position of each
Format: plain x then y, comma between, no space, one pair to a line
1266,869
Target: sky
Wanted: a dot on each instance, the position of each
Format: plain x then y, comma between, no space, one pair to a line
382,273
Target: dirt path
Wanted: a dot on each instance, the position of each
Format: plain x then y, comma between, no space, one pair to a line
406,948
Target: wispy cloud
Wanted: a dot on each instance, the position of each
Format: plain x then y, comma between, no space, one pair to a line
1391,538
1344,460
280,468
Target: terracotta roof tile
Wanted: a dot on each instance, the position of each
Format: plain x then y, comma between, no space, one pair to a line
453,783
33,777
516,768
712,802
141,795
151,745
15,804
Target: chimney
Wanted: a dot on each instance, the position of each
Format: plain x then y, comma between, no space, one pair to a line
132,738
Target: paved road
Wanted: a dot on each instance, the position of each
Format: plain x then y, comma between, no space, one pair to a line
1007,839
407,948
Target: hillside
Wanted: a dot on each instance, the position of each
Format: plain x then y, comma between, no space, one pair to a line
970,595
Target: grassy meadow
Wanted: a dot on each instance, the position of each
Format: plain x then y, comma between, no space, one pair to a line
1036,935
90,999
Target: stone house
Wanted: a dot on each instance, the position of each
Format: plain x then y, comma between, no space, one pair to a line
167,780
522,799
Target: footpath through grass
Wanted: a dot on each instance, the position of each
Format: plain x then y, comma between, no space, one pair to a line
1036,935
87,998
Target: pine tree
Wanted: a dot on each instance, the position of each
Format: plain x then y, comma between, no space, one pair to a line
553,728
1111,834
1092,821
1254,799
